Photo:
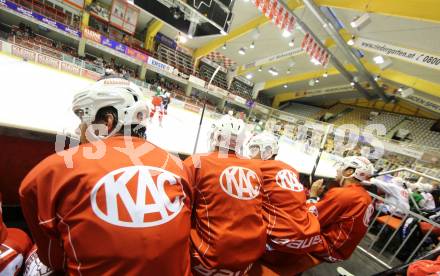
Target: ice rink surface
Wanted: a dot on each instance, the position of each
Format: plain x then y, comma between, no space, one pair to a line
39,98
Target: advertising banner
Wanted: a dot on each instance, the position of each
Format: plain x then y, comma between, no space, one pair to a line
49,61
70,68
92,35
136,54
165,40
113,44
160,65
90,74
412,56
273,58
23,53
12,6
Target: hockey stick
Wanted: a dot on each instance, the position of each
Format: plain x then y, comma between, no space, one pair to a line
203,110
318,157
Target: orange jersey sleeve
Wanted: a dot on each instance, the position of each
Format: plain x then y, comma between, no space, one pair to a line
228,229
13,251
344,214
124,213
290,226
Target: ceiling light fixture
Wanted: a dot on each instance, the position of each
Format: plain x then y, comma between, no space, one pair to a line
350,42
252,46
316,80
352,83
291,43
224,46
242,51
400,89
377,77
325,75
379,59
260,69
249,76
286,33
358,21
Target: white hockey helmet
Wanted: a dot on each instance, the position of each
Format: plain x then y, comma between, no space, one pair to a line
228,133
121,94
363,169
267,144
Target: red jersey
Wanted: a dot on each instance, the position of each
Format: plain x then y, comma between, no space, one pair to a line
13,251
228,231
3,229
290,226
126,212
344,214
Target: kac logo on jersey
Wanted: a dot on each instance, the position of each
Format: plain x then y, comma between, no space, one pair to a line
138,197
287,179
240,182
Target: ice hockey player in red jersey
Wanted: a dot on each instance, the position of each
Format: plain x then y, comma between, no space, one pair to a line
122,205
228,233
291,227
344,212
14,246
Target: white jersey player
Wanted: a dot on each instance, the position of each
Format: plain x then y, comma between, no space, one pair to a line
396,195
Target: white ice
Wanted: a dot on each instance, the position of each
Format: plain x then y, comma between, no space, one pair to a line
39,98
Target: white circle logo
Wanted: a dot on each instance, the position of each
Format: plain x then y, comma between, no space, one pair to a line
138,197
287,179
240,182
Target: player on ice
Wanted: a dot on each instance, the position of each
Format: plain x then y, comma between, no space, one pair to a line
291,228
228,233
166,99
156,103
123,212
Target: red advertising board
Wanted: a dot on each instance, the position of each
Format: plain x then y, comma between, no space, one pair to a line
90,74
92,35
23,52
191,107
68,67
47,60
136,54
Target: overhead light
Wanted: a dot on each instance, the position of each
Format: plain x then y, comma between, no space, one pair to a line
260,69
351,41
177,13
286,33
325,75
316,80
325,25
377,77
379,59
249,76
358,21
252,46
315,61
182,38
288,71
285,86
291,43
400,89
352,83
273,71
242,51
224,46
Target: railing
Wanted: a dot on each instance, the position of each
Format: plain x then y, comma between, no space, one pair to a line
377,246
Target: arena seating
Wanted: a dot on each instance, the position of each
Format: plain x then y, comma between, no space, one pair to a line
303,110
